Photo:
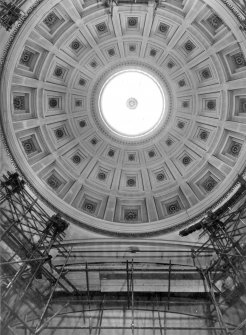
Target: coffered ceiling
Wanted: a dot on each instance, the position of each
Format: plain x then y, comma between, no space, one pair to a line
52,77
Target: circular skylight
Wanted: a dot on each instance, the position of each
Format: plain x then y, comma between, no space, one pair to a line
132,103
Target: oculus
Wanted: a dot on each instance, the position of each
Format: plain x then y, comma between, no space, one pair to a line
132,103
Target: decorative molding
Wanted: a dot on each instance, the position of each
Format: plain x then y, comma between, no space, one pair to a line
29,146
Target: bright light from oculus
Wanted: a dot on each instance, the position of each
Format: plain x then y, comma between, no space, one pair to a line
132,103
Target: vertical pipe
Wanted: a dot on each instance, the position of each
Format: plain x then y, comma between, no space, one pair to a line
132,296
101,315
87,284
128,286
169,283
161,333
165,322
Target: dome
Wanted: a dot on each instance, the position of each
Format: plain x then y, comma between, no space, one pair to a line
128,119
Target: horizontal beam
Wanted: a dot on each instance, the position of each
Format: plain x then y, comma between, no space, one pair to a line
188,251
79,301
123,269
135,327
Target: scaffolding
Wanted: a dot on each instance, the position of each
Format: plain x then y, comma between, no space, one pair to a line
148,312
224,271
46,279
10,13
29,237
